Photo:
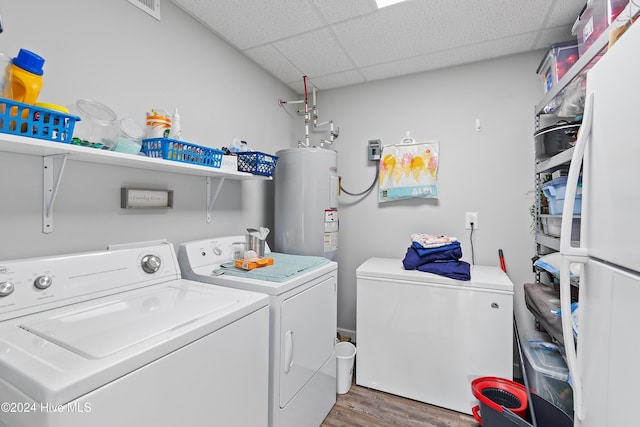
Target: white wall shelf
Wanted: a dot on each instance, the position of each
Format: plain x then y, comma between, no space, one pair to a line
50,150
38,147
556,161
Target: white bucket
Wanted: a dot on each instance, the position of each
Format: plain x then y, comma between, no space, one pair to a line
345,356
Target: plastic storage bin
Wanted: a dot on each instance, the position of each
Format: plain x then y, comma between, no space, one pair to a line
547,371
257,163
555,189
180,151
98,127
21,119
595,18
552,225
559,58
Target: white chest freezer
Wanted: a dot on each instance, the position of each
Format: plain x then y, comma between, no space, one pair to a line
426,337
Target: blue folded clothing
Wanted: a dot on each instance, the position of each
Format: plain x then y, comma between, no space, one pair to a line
458,270
418,256
443,260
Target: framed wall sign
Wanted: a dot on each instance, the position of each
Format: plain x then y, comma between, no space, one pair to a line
136,198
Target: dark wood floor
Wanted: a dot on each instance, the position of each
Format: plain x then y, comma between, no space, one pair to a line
363,407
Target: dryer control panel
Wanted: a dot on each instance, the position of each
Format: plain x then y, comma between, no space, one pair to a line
210,252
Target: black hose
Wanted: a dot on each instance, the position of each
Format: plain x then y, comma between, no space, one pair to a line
368,190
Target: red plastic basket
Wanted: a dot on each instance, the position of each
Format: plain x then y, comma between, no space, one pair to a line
499,393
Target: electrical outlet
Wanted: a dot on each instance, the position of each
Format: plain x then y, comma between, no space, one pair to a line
374,149
471,217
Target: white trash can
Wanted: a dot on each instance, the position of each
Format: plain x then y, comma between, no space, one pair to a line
345,355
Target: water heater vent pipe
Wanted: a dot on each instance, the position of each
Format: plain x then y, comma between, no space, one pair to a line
305,111
334,131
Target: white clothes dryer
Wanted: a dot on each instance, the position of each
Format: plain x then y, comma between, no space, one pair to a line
118,338
303,323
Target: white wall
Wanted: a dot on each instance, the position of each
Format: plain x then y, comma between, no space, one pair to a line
114,53
489,172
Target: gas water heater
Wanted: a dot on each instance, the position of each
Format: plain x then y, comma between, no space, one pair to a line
306,202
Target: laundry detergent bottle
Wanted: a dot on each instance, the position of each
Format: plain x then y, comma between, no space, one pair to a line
24,78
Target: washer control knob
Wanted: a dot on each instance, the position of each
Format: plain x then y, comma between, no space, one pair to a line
6,288
151,263
43,282
217,250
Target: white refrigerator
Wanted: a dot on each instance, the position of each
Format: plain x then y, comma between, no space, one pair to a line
605,363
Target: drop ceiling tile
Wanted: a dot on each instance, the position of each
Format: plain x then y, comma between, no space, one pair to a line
396,68
375,39
252,23
519,43
554,35
433,26
484,20
345,78
335,11
274,62
450,57
315,54
477,19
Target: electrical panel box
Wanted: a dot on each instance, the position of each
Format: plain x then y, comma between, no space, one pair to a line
374,149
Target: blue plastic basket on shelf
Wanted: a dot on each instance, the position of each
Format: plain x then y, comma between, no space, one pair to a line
257,163
181,151
21,119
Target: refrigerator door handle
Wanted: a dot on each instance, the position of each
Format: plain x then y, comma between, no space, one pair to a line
571,254
572,182
567,332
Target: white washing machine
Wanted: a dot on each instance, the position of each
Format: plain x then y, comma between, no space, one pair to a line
426,337
303,322
118,338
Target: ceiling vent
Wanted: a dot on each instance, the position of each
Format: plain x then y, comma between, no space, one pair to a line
152,7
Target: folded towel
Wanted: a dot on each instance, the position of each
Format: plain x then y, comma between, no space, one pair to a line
552,263
453,246
418,256
284,267
458,270
431,240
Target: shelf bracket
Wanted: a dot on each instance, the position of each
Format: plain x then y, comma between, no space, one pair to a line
212,195
50,185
